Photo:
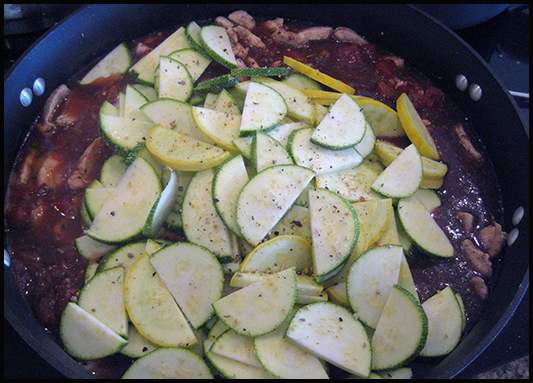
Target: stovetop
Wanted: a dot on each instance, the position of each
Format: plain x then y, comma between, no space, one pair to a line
502,41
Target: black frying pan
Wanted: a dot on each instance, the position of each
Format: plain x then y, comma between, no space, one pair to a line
424,43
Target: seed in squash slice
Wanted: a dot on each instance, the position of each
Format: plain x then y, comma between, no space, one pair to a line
183,153
415,128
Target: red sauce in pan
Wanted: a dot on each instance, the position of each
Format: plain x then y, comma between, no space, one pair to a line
42,222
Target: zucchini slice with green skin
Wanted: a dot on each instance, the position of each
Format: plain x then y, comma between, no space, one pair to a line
162,207
271,255
175,81
123,134
152,309
103,297
195,62
264,109
267,151
123,217
342,127
422,229
216,43
270,299
319,159
201,223
193,276
332,333
284,360
402,177
335,230
265,199
169,363
230,178
79,329
401,332
237,347
370,281
117,61
445,321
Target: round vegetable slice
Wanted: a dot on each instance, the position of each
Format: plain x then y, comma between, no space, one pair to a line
169,363
401,332
415,129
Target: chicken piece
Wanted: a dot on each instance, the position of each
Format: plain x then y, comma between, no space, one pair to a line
480,287
347,35
243,18
492,238
478,260
51,172
89,164
467,220
46,124
247,38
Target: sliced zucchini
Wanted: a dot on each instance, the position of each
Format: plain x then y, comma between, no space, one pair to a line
95,197
332,218
152,309
113,168
353,184
193,35
344,125
145,68
169,363
370,282
422,229
301,82
235,346
85,337
270,299
201,222
181,152
266,152
175,81
221,127
122,218
123,256
216,43
300,107
401,332
264,109
138,346
230,368
402,177
445,323
230,178
307,288
195,62
267,72
175,115
265,199
432,170
103,297
162,207
319,159
92,250
123,134
117,61
284,360
278,254
332,333
133,101
193,276
226,103
217,84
